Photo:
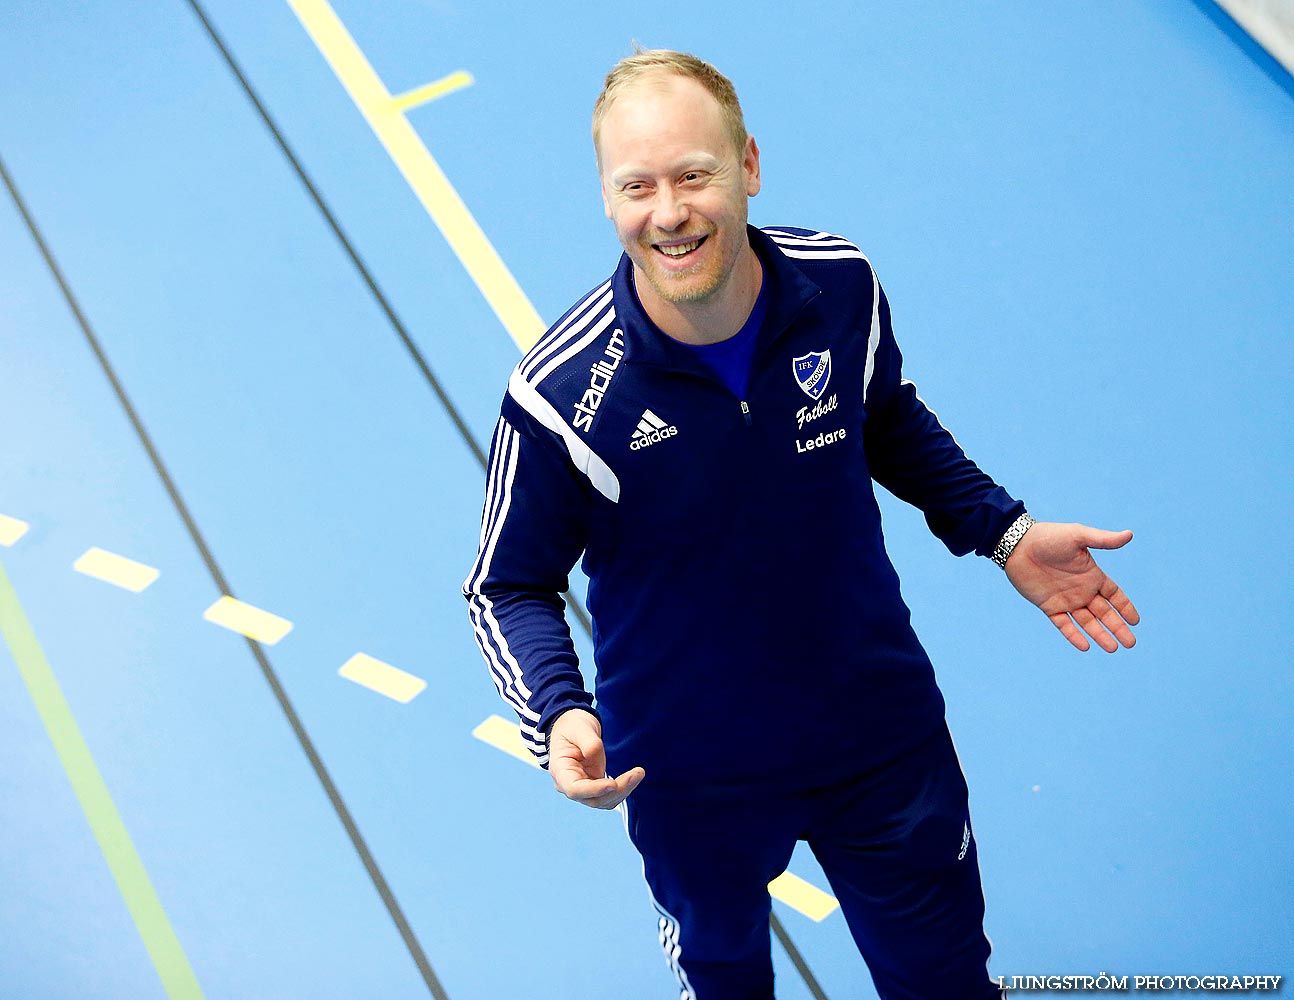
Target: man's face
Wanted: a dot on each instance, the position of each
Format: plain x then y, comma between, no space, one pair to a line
675,187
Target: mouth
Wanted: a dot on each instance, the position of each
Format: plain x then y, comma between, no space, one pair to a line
678,250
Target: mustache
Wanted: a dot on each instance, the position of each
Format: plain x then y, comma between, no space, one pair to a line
655,238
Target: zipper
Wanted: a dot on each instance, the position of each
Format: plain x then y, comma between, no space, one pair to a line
710,378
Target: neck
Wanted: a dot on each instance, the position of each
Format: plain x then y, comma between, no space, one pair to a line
715,318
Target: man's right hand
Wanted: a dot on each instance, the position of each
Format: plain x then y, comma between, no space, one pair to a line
578,762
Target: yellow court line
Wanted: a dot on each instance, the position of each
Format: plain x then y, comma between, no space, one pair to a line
421,171
431,91
801,895
117,570
237,616
128,871
506,736
372,673
11,529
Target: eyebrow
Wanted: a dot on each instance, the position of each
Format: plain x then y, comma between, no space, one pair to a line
705,161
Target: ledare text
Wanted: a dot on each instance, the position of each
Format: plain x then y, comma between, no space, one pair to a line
821,441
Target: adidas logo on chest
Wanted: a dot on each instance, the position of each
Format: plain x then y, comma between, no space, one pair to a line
651,430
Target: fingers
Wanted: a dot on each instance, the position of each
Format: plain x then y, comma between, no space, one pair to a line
1070,631
1110,617
1120,602
1090,624
1102,620
624,784
577,763
1095,538
603,793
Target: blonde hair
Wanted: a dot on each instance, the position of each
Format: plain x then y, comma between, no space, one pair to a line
653,62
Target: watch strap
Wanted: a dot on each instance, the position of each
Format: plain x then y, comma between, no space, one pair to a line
1007,543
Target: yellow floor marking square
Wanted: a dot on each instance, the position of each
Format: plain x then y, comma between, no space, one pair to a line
383,678
506,736
800,895
117,570
233,614
11,529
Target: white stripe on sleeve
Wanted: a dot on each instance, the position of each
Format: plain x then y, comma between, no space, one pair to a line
584,457
874,337
593,304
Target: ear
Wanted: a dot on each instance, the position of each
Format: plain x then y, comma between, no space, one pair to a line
606,202
750,164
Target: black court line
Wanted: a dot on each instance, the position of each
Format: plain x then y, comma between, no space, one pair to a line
420,361
307,745
796,958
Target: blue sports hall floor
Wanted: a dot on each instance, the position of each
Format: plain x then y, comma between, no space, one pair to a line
1083,216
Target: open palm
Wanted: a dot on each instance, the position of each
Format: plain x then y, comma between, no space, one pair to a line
1054,569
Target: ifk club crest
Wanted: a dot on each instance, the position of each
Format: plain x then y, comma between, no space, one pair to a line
813,372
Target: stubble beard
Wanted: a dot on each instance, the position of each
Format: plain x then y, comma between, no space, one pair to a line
685,287
681,289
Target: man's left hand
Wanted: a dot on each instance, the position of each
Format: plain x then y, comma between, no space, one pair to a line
1052,567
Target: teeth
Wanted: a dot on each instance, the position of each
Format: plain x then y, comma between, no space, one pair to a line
680,250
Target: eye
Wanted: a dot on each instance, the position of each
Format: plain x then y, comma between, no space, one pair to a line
692,176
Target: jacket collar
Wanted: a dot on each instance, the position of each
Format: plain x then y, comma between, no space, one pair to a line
789,290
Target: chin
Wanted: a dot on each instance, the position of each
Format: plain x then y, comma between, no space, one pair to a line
683,289
686,296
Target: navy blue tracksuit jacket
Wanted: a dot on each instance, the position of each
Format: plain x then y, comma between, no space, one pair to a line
748,625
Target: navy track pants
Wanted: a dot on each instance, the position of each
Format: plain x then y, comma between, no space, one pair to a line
895,843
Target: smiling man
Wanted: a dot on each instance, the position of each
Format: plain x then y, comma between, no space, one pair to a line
705,428
676,175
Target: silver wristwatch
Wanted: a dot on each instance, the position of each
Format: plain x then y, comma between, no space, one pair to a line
1006,545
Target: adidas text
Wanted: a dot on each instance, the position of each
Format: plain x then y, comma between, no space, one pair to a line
641,440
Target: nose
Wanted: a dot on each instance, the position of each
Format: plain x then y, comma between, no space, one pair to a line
670,211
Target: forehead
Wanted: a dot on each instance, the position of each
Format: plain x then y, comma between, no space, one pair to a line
661,112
